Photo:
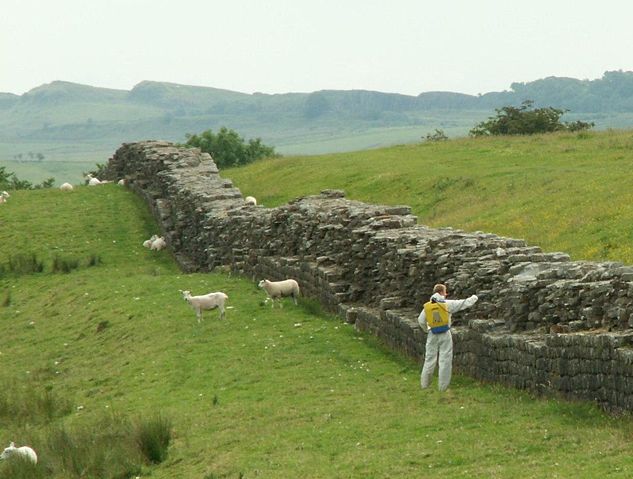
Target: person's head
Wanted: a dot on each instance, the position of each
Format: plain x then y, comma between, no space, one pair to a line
440,288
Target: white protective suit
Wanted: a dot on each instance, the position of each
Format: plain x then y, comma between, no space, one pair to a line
441,343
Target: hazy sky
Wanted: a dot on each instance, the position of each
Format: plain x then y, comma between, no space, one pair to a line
278,46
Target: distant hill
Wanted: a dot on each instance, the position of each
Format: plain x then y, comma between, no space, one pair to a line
73,123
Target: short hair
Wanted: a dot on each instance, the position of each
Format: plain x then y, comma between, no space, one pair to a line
439,288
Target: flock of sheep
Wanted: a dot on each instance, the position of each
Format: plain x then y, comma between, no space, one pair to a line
274,289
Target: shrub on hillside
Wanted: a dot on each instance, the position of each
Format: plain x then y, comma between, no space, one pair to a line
152,437
526,120
27,402
25,264
9,181
229,149
64,265
438,135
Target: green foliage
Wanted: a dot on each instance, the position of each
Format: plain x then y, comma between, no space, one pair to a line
438,135
29,402
103,449
10,181
30,263
526,120
153,436
64,265
7,299
24,263
228,148
22,468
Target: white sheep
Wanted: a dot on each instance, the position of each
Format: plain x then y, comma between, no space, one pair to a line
2,199
206,302
5,194
94,182
66,187
279,289
250,200
24,451
148,243
158,244
121,182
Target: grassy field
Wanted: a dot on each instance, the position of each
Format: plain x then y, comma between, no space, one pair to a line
264,393
563,192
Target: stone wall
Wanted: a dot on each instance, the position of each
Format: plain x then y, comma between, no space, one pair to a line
543,323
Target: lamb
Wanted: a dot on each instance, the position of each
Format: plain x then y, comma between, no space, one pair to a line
2,199
66,187
279,289
250,200
205,302
24,451
158,244
5,194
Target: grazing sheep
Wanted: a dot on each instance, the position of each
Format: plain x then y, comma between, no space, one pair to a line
5,194
24,451
279,289
158,244
205,302
2,199
66,187
121,182
250,200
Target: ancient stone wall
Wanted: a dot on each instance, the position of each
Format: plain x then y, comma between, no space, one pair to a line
542,323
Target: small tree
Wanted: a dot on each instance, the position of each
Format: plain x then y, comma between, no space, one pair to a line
439,135
526,120
228,148
9,181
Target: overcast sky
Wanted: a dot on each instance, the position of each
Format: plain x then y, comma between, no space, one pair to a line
279,46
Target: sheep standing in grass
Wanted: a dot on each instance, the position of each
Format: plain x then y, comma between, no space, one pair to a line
24,451
66,187
279,289
5,194
250,200
206,302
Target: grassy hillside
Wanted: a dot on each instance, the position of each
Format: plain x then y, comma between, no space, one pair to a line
564,192
265,393
63,120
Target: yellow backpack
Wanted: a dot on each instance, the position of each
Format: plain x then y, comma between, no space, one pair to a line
436,316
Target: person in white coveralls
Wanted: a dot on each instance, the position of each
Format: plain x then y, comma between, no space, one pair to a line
435,318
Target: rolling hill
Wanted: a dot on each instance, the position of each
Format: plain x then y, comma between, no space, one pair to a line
75,126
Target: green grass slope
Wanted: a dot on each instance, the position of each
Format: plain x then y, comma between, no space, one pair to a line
563,192
265,393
